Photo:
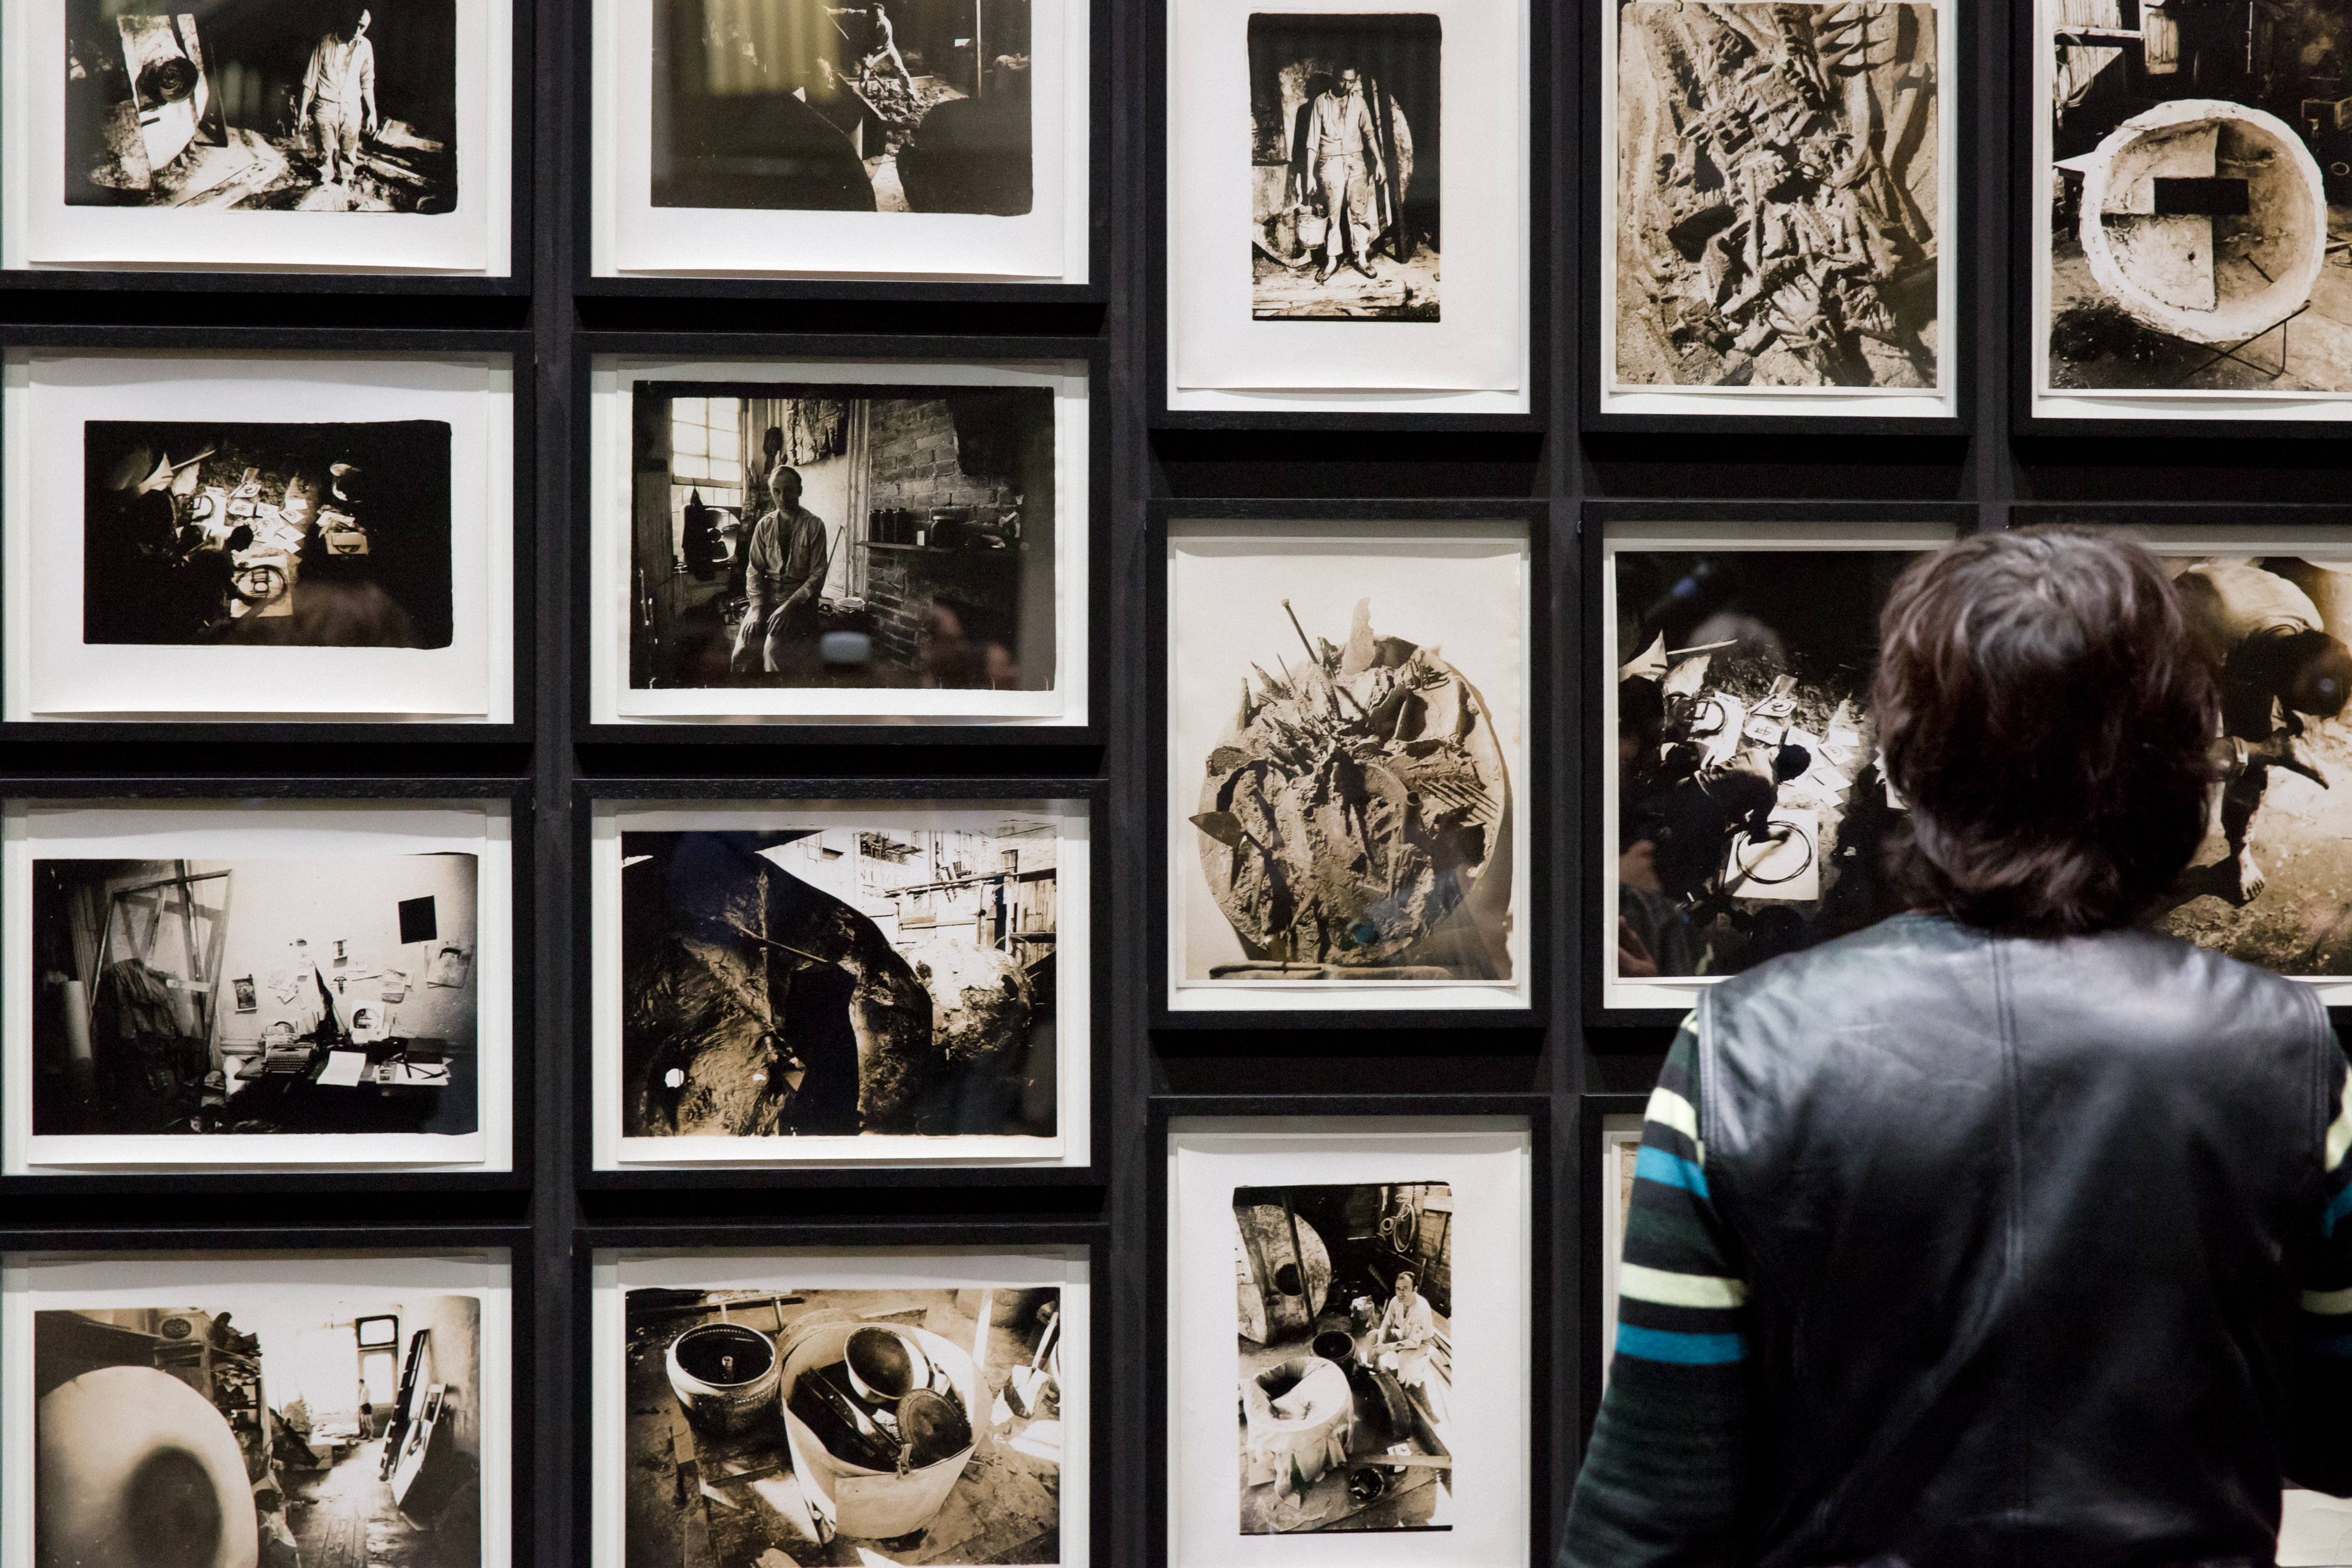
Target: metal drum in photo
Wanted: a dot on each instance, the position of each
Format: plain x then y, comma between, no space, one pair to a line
2197,161
1345,1301
839,980
1344,166
1779,212
333,535
777,1428
299,106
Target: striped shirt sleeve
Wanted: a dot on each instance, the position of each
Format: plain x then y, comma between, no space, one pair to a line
1665,1470
2321,1457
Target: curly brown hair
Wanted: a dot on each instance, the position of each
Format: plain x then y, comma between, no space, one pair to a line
2047,716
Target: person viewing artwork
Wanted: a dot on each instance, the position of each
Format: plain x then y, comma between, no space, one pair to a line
2004,1228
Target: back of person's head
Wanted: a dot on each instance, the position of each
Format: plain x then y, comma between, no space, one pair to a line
2320,673
2045,714
1791,762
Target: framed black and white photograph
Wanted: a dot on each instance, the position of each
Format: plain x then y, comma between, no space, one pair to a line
1775,232
843,978
1609,1142
2269,591
299,135
918,142
1346,211
765,1407
254,1407
1350,821
1741,813
259,536
874,546
373,940
2191,166
1352,1347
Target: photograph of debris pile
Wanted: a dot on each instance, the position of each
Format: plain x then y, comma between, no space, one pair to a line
317,536
1345,1305
235,997
1777,211
1344,127
845,538
2198,160
312,106
1752,817
891,106
842,979
789,1429
270,1426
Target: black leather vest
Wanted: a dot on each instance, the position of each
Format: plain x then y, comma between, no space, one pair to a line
2024,1222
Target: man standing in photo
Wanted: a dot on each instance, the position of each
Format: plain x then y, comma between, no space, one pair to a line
1343,143
783,578
339,98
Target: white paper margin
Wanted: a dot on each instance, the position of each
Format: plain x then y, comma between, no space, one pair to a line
1475,358
1073,1001
39,232
614,1272
1489,1163
219,830
629,236
1472,545
612,382
33,1283
51,675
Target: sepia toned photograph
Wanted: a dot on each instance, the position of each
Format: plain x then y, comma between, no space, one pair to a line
787,535
219,999
2197,161
788,1428
1752,816
842,978
308,106
261,1424
891,106
1344,127
1779,217
1345,1301
1347,749
268,535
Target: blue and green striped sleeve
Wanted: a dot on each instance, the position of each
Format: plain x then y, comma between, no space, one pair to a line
2321,1456
1665,1472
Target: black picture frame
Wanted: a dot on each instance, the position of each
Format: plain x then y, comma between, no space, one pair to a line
914,353
590,793
526,219
913,1233
2024,262
1288,1111
1639,1028
369,341
576,70
1526,1020
389,1240
1955,89
1372,417
294,1181
1592,1113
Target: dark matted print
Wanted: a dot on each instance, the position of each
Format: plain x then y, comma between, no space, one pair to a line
2196,162
261,1424
1779,220
1344,1304
278,535
844,537
1344,119
308,106
888,106
225,998
832,982
1751,818
782,1427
